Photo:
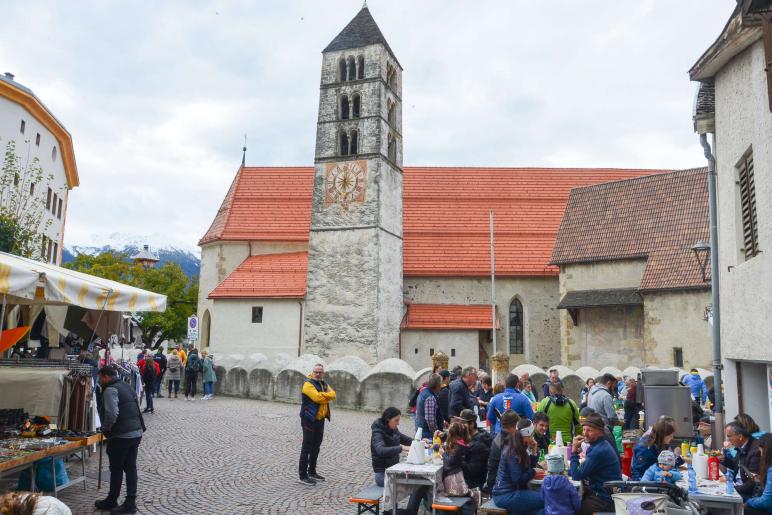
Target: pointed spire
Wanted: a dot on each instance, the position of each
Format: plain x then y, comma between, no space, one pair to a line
244,155
361,31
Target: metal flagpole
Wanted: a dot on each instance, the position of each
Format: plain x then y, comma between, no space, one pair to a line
493,288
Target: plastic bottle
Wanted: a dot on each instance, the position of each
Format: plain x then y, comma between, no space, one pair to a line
730,482
692,480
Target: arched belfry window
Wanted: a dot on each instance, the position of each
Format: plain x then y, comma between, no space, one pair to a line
352,69
343,144
361,67
516,345
342,70
392,148
357,104
344,107
354,143
392,115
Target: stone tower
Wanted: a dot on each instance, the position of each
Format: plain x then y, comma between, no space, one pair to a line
354,297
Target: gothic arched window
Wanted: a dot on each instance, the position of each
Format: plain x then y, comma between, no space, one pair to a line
392,148
343,144
356,102
344,107
516,328
354,143
352,69
391,73
361,67
342,70
392,116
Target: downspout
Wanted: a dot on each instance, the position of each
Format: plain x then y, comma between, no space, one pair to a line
718,409
300,328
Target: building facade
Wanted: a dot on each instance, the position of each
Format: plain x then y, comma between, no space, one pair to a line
29,127
734,105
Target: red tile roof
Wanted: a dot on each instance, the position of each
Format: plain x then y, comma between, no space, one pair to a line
446,228
270,275
448,316
659,218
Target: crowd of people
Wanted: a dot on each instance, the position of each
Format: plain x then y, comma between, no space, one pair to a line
501,461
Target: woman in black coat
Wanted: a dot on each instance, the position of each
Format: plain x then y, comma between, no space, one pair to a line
386,442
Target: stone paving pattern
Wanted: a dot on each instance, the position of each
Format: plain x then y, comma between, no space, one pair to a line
238,456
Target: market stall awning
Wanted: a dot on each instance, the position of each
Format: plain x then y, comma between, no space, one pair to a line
25,281
600,298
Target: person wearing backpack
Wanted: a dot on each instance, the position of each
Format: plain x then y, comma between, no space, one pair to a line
149,370
174,370
562,412
192,369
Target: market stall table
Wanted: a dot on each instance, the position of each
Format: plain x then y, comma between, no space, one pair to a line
712,495
28,459
409,474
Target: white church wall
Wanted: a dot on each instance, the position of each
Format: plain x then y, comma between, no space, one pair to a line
539,296
461,347
234,332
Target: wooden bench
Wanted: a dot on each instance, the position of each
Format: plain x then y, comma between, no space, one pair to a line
490,508
450,503
368,500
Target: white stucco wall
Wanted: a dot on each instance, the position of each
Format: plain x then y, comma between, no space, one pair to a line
602,275
539,296
416,346
743,122
675,319
234,333
11,116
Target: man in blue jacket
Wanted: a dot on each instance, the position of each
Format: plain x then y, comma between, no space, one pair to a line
460,396
510,398
601,464
696,386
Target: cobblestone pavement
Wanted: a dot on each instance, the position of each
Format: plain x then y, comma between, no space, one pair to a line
234,456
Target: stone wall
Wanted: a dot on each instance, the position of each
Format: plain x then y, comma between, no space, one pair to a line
461,347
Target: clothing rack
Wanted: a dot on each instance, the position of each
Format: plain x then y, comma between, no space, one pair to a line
69,364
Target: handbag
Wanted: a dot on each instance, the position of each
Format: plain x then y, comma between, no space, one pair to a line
455,485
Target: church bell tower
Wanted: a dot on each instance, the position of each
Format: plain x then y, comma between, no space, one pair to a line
354,296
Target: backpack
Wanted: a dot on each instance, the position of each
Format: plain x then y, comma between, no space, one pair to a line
149,371
562,400
195,366
414,398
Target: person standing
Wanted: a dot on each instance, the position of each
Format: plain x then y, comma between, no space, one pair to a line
192,368
696,386
149,370
631,406
600,400
209,376
174,367
460,395
183,355
315,399
443,398
562,412
510,398
427,413
162,365
553,379
123,426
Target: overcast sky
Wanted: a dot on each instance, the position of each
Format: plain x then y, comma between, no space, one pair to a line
158,95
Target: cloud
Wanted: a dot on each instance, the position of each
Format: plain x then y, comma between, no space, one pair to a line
158,96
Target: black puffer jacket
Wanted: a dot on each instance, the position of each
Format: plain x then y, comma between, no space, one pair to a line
385,445
476,461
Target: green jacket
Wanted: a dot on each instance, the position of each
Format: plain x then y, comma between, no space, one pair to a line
209,375
563,418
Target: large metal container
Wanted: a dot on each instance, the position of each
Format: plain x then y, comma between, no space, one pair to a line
657,377
673,401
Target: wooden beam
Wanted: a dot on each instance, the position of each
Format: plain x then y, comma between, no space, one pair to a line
574,313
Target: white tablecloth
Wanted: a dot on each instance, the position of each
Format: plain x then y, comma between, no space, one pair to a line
429,472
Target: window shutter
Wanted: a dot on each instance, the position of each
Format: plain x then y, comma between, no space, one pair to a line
748,207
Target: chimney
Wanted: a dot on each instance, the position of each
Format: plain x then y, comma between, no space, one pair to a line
146,247
9,75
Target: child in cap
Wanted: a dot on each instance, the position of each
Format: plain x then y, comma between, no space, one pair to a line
664,470
560,497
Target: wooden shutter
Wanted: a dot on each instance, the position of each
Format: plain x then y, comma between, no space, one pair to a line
748,207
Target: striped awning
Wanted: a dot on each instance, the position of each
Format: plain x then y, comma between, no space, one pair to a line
25,281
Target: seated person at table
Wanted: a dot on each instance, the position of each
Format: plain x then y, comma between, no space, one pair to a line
542,432
509,420
386,442
703,433
560,496
601,464
663,471
476,461
516,469
762,503
647,450
457,451
746,463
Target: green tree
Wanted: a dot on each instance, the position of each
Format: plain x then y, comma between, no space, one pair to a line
169,279
23,204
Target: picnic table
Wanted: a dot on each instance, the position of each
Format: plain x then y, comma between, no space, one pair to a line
403,478
29,460
712,495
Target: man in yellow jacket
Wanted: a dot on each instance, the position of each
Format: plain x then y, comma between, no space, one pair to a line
315,399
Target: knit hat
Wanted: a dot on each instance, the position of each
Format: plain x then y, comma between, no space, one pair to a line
555,464
666,458
509,418
595,421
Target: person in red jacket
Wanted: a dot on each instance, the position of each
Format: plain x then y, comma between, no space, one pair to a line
149,378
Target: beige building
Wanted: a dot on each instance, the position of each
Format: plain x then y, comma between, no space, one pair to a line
632,292
734,105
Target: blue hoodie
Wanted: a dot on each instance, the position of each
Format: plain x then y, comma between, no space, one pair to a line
560,496
512,399
654,473
696,386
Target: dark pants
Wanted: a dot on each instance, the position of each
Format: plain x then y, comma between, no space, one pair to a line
191,384
149,390
592,504
631,415
753,511
122,453
313,433
176,384
159,383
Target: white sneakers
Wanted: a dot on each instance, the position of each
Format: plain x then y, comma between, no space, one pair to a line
207,397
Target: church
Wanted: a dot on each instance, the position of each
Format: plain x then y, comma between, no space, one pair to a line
360,256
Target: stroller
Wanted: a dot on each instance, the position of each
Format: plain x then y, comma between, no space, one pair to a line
650,498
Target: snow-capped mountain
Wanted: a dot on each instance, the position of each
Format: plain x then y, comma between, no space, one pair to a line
186,255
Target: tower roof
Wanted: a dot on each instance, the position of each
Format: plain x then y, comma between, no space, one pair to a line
360,32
